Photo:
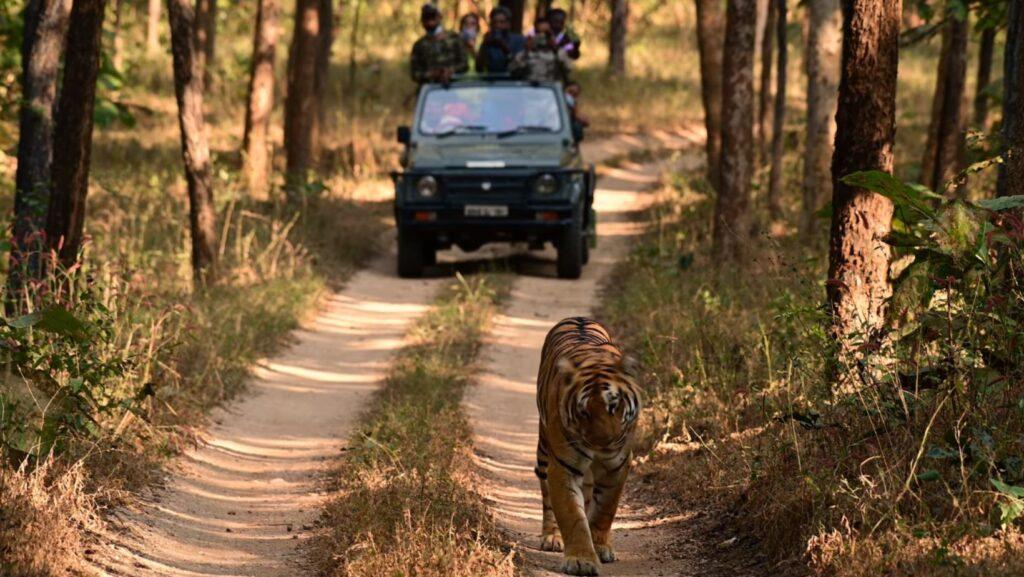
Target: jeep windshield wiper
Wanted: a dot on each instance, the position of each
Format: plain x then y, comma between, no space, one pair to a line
461,129
524,130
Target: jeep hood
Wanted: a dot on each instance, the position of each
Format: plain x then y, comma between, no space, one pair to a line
466,155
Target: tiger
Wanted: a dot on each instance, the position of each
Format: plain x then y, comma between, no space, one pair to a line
589,401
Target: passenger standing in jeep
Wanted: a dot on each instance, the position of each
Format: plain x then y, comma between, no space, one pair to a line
438,55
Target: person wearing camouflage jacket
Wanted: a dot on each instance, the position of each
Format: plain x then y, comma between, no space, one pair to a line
439,54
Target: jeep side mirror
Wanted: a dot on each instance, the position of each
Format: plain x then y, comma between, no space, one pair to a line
404,135
577,132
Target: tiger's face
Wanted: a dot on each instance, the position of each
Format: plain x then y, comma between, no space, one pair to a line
601,401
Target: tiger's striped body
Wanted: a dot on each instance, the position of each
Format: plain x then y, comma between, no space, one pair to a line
588,401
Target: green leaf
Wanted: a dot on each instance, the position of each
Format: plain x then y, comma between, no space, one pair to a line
928,475
61,321
910,200
26,321
1010,490
1002,203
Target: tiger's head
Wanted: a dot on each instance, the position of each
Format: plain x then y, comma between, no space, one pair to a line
600,401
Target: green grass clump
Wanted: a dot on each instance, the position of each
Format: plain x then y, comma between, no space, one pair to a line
404,505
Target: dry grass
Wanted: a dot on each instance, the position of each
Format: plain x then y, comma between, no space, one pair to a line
405,504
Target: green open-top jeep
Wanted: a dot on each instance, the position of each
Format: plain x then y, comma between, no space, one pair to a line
492,160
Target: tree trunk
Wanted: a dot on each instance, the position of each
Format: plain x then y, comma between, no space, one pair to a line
117,42
765,92
985,53
518,8
195,151
858,284
1011,172
153,28
205,31
779,118
71,152
255,143
543,7
46,23
942,151
323,61
824,45
710,36
617,37
300,136
353,45
737,163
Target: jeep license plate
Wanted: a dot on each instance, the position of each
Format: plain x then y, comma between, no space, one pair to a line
488,210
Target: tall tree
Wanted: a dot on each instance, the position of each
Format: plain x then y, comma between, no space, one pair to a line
858,283
765,92
195,150
737,163
205,31
300,130
542,9
71,152
617,37
46,23
779,116
942,151
710,36
986,51
255,144
518,8
323,60
824,45
153,28
1011,172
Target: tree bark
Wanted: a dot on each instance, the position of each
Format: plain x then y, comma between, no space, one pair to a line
765,92
153,28
300,134
858,284
710,36
779,116
617,37
74,123
943,149
1011,172
323,61
46,23
824,45
255,142
195,150
205,31
730,226
518,8
543,7
985,53
117,42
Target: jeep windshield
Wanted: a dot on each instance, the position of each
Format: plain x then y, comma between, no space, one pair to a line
494,110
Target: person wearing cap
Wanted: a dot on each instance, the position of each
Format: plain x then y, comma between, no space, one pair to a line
439,54
500,45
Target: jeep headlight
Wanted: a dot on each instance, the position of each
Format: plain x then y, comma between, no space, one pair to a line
545,185
426,187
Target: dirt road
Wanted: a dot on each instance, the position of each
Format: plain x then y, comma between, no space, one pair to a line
503,408
242,502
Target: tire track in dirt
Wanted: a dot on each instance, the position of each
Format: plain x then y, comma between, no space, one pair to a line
242,502
503,409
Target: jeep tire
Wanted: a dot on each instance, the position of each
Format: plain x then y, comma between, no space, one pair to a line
570,250
410,254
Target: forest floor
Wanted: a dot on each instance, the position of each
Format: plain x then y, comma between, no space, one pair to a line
245,499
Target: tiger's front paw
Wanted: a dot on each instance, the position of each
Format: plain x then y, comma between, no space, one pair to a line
605,553
551,542
580,566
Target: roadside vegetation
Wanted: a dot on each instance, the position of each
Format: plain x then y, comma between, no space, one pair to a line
915,471
405,503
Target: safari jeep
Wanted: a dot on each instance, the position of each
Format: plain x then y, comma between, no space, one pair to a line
492,161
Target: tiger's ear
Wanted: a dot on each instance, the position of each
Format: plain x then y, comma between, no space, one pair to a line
566,366
631,365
